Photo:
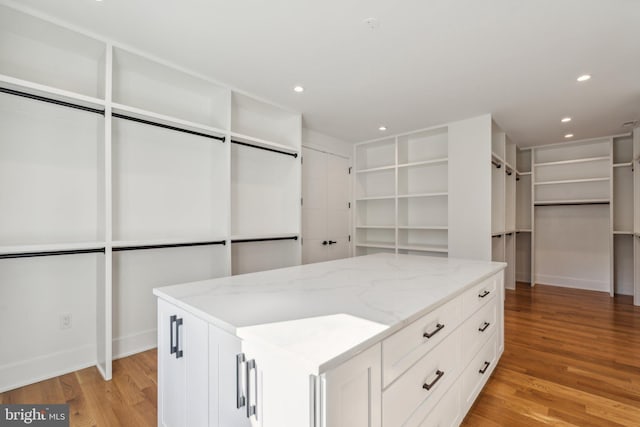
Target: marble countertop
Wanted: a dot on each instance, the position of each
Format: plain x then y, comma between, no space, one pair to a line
327,312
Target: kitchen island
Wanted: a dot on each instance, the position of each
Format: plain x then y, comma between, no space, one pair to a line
380,340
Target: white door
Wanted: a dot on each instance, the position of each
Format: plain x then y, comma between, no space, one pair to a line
325,207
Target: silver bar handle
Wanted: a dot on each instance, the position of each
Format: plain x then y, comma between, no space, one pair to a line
252,409
241,400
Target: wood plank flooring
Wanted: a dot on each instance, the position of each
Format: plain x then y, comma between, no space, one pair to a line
572,358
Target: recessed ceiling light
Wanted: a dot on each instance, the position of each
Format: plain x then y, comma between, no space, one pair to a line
584,78
298,89
569,135
566,120
382,128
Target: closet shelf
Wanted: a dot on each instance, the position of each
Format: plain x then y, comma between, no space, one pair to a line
571,181
377,227
364,199
51,247
379,245
568,162
49,92
425,162
523,230
407,196
425,248
623,232
167,121
261,143
381,168
425,227
623,165
523,173
497,158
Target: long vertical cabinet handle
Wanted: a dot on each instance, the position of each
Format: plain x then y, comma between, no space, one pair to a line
173,347
252,409
178,351
241,400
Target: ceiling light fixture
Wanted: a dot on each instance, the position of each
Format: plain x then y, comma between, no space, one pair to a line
298,89
584,78
382,128
569,135
566,120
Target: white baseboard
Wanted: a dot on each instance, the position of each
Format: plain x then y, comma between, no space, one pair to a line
41,368
134,343
572,282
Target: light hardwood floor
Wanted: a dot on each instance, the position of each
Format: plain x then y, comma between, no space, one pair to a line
572,358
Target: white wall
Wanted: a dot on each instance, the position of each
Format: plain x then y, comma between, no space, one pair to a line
470,188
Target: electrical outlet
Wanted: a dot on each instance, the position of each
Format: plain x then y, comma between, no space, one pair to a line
65,321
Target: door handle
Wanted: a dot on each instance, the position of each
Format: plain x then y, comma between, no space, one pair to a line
240,398
325,243
252,409
179,352
331,242
173,348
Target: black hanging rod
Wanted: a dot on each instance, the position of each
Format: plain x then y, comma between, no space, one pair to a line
162,125
496,164
234,141
51,253
571,204
51,100
497,236
169,245
265,239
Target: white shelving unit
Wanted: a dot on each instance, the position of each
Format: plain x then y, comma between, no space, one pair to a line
133,173
401,194
503,202
524,213
573,191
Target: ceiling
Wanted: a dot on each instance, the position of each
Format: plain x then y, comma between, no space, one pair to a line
427,63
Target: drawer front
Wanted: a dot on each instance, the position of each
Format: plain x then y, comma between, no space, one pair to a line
478,329
480,294
478,371
416,392
402,349
446,413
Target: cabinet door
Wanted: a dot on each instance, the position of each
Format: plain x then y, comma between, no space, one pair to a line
183,353
353,391
227,380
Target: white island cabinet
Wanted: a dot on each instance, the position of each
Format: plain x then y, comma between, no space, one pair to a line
375,341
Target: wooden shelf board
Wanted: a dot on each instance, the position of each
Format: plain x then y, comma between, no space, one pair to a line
167,120
50,92
378,169
408,196
572,181
623,165
568,162
263,143
623,232
424,163
50,247
379,245
425,248
364,199
425,227
377,227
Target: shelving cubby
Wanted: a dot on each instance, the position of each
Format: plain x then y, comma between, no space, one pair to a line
423,147
157,89
380,213
50,173
523,160
374,155
423,212
498,198
37,53
376,237
377,183
428,240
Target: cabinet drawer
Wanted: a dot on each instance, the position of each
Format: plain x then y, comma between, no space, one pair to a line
405,347
480,294
478,371
478,328
446,413
415,393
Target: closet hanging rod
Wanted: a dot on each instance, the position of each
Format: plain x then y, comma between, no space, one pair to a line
162,125
264,239
51,100
496,164
168,245
571,203
234,141
51,253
